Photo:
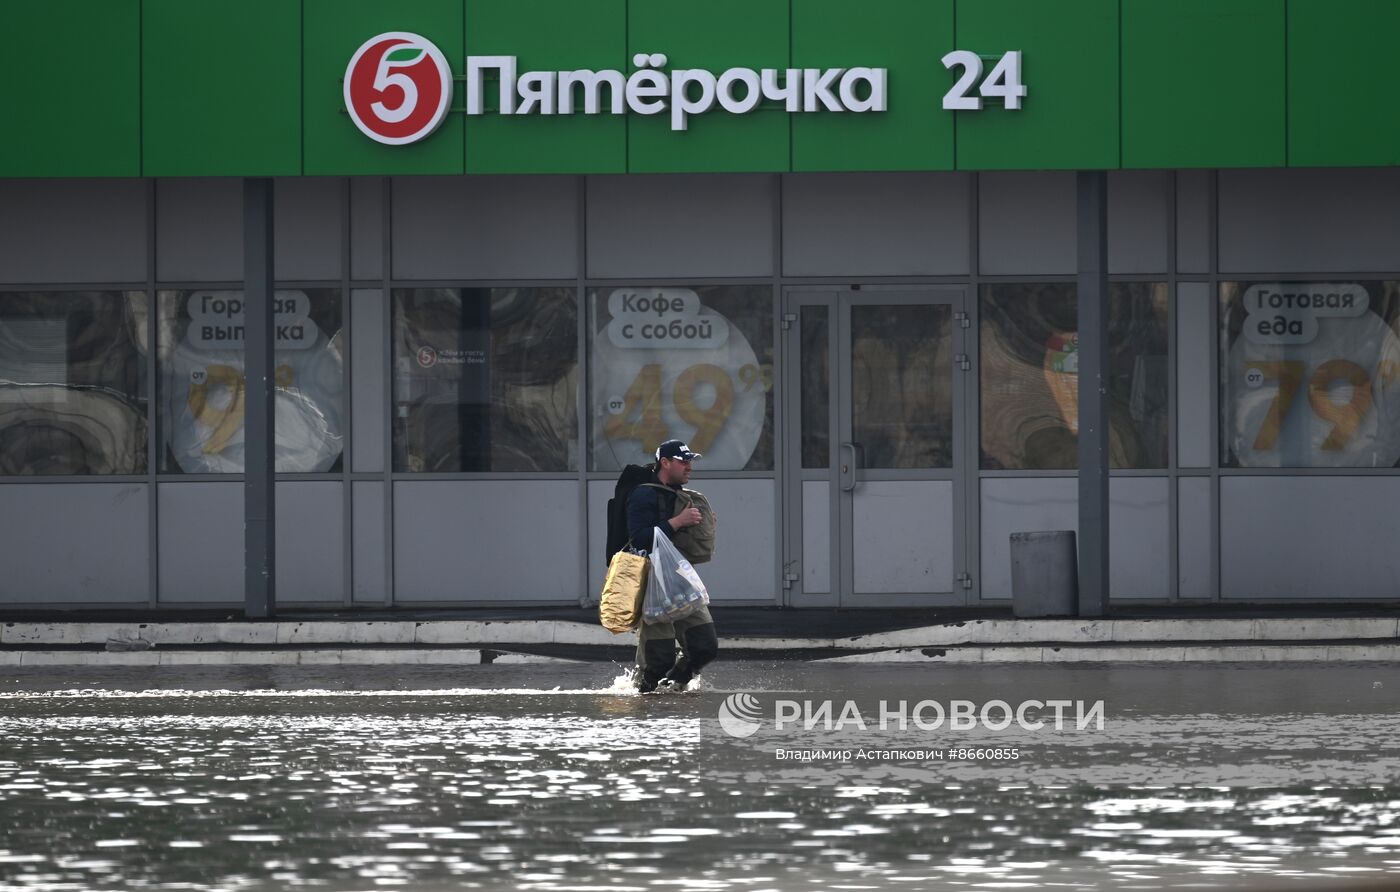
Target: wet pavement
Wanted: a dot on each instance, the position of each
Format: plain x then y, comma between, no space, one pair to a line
556,777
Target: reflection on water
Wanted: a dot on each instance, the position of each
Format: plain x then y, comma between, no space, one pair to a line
541,777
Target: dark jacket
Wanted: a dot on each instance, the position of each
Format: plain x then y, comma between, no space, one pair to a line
649,507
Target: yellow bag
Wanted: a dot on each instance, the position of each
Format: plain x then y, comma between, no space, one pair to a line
620,607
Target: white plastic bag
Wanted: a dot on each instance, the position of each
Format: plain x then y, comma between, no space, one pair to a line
674,590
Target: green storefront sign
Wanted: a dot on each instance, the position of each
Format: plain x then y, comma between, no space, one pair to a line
258,88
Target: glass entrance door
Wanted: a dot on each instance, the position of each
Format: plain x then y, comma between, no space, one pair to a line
875,385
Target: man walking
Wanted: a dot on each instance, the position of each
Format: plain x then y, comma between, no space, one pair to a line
654,506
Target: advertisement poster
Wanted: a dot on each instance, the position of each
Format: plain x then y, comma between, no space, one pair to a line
1310,376
667,365
206,390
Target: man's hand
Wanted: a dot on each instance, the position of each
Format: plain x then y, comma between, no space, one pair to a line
687,518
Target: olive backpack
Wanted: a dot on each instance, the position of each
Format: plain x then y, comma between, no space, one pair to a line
696,542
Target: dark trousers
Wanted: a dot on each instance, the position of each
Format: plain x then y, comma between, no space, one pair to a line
656,649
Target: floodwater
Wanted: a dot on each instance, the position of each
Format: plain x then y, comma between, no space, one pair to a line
555,777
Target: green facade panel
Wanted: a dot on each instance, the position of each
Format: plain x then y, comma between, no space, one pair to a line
1203,83
254,88
548,35
335,29
1069,116
906,36
221,88
1342,82
71,78
717,35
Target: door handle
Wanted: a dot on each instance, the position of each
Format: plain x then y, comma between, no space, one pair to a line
848,471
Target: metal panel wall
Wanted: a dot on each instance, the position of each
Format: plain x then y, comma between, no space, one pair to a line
1026,223
75,543
202,114
912,224
1210,111
72,231
485,227
1340,73
1069,119
1308,537
1194,378
1086,59
486,540
199,230
369,573
815,570
1194,526
557,35
678,226
369,332
1020,504
307,228
1140,547
907,37
201,542
719,35
367,227
903,536
1309,221
1193,221
1139,562
310,541
74,111
1138,221
715,225
599,491
745,565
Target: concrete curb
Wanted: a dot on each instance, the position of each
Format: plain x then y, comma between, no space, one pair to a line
410,656
1146,653
271,657
458,633
1099,631
472,633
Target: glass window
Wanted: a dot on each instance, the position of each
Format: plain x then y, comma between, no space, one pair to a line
73,382
1029,376
1307,373
902,385
200,339
485,379
694,363
815,387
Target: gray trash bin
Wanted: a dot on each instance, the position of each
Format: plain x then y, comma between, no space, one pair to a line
1044,574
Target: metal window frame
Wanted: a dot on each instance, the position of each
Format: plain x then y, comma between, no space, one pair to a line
779,282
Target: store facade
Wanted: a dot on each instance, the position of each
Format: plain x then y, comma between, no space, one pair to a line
857,300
